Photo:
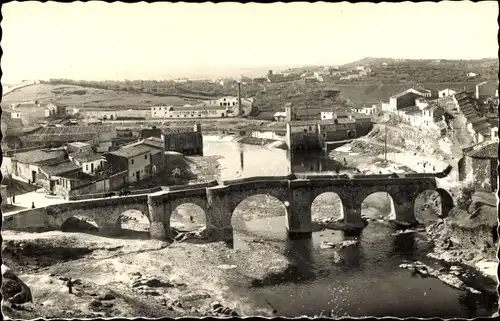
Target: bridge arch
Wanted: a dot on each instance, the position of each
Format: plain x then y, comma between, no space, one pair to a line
276,189
432,204
188,216
133,223
260,210
379,205
327,206
80,223
105,212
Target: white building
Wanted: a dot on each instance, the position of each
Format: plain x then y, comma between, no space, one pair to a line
15,115
471,75
494,133
89,162
446,92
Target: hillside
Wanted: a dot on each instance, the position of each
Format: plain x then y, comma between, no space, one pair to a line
81,97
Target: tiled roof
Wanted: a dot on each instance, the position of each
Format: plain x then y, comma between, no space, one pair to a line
131,151
36,156
488,151
60,168
481,126
414,111
179,130
409,109
154,142
493,122
403,94
87,157
62,138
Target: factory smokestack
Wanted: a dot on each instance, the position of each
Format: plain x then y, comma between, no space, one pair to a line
238,108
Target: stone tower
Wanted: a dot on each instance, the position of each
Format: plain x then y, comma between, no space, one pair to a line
290,115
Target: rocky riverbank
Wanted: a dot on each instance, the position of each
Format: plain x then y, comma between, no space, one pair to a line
131,278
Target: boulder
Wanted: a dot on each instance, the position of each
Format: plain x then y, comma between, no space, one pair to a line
13,289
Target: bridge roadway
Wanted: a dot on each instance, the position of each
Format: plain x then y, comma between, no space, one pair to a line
296,192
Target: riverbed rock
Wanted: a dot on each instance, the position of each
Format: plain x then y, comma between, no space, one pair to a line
327,245
420,268
348,243
13,289
152,283
194,296
107,297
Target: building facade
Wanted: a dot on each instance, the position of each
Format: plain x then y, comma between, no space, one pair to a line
447,92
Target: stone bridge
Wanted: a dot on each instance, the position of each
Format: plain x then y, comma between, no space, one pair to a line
296,192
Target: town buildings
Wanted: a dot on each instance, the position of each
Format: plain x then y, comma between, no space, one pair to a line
36,111
477,125
26,165
303,134
187,140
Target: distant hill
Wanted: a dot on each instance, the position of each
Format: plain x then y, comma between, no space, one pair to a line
471,63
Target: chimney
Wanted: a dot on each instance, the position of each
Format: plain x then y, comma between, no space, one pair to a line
238,108
197,128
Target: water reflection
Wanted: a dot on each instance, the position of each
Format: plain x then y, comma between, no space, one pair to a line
404,246
300,254
267,161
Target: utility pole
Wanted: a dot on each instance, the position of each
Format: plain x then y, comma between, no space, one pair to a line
385,143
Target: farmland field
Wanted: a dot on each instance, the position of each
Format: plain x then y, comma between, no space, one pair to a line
76,96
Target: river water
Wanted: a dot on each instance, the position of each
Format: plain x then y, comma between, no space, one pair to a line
366,282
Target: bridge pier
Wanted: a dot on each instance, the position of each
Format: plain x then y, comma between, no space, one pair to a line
405,212
299,220
219,214
353,218
159,226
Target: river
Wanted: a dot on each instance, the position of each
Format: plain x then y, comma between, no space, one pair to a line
366,282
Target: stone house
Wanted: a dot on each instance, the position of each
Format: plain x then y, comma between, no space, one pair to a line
26,165
479,166
134,159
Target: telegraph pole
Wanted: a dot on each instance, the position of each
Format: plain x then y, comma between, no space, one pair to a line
385,143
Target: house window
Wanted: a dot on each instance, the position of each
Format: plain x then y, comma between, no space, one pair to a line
146,156
86,167
92,167
132,161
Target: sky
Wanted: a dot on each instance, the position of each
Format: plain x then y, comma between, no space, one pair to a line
116,41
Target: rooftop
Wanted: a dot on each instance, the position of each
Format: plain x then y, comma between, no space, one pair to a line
131,151
488,151
178,130
404,93
60,168
78,144
35,156
86,157
409,109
